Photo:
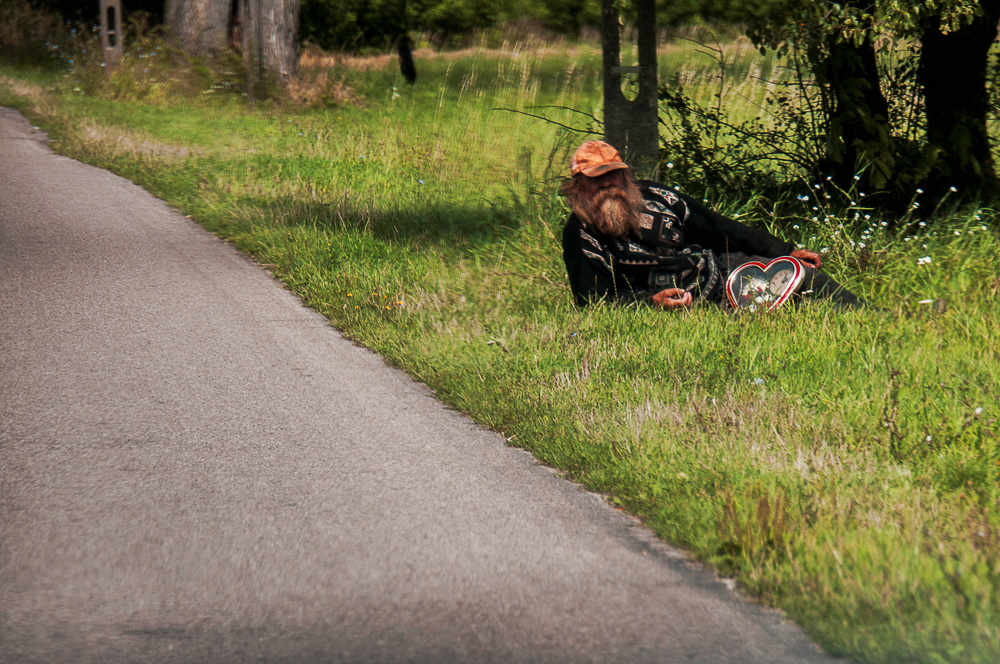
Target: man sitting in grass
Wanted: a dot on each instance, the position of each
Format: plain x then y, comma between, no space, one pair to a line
642,241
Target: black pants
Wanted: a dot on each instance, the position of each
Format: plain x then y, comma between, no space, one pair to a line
815,283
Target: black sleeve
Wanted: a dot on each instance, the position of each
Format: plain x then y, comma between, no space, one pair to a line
709,229
591,276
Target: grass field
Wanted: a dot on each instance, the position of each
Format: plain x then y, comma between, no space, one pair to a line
842,466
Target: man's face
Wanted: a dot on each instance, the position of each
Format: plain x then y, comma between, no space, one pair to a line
590,186
609,202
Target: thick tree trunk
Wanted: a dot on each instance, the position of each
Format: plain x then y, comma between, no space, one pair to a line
275,26
952,72
631,126
201,26
859,136
268,30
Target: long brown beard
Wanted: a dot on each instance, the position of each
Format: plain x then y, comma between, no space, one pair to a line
611,210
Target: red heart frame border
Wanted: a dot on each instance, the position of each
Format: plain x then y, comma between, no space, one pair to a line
745,268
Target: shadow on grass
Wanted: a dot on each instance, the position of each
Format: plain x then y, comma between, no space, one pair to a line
459,225
392,204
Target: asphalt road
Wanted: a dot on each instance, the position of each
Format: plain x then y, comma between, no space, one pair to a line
196,468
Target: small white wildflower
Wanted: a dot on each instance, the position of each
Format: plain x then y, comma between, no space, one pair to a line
824,250
884,223
927,439
925,301
952,189
926,260
867,217
923,223
670,164
857,177
760,381
795,226
920,191
958,232
916,204
983,227
861,244
979,411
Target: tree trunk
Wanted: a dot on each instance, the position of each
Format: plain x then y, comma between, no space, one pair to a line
201,26
274,25
631,126
952,72
859,136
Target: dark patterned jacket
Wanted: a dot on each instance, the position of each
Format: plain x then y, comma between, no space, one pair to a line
680,245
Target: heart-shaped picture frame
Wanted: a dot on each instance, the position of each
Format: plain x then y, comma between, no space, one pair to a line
754,285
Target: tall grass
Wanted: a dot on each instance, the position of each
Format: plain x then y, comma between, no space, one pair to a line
842,466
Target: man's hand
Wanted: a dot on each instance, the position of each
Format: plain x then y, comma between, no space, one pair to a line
810,258
672,298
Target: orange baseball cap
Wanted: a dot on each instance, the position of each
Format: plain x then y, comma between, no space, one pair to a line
595,158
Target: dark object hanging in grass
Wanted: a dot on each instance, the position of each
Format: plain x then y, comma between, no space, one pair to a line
406,66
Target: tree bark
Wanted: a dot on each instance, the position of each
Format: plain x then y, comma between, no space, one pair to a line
952,72
201,26
859,136
631,126
275,26
267,29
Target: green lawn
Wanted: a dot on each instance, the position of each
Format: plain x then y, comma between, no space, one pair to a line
842,466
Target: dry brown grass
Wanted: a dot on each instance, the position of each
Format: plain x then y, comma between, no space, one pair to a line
314,58
116,141
22,88
315,88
